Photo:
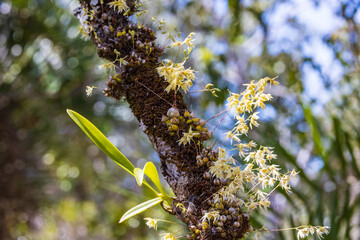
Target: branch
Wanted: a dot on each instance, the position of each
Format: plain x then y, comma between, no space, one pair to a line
116,37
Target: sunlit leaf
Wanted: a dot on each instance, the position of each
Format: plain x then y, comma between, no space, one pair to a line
103,143
141,208
150,171
139,176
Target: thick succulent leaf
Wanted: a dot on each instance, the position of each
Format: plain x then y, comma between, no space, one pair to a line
141,208
101,141
139,176
104,144
150,171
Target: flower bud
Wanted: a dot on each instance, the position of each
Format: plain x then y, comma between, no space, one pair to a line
199,163
172,112
223,218
174,128
207,175
164,118
174,121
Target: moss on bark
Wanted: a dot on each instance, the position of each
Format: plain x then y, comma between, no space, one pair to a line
138,81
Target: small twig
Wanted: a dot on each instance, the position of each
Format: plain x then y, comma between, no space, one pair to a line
217,115
214,143
177,55
227,112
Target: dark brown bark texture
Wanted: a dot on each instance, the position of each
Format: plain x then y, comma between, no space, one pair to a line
115,36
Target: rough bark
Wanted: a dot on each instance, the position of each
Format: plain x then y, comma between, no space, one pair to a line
139,82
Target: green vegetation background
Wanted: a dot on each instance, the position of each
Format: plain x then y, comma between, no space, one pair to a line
55,184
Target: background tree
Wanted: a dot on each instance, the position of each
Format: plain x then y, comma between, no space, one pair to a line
250,38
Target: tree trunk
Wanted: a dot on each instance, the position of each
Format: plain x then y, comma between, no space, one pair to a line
139,82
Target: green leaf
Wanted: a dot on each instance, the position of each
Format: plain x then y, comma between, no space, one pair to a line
104,144
101,141
338,145
314,130
150,171
139,176
351,151
317,139
141,208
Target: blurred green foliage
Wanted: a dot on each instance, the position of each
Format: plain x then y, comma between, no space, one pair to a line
55,184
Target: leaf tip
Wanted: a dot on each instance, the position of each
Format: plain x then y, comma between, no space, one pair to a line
69,111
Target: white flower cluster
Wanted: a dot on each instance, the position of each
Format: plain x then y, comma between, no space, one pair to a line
259,172
119,5
176,75
245,103
151,222
189,42
187,137
168,236
304,231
